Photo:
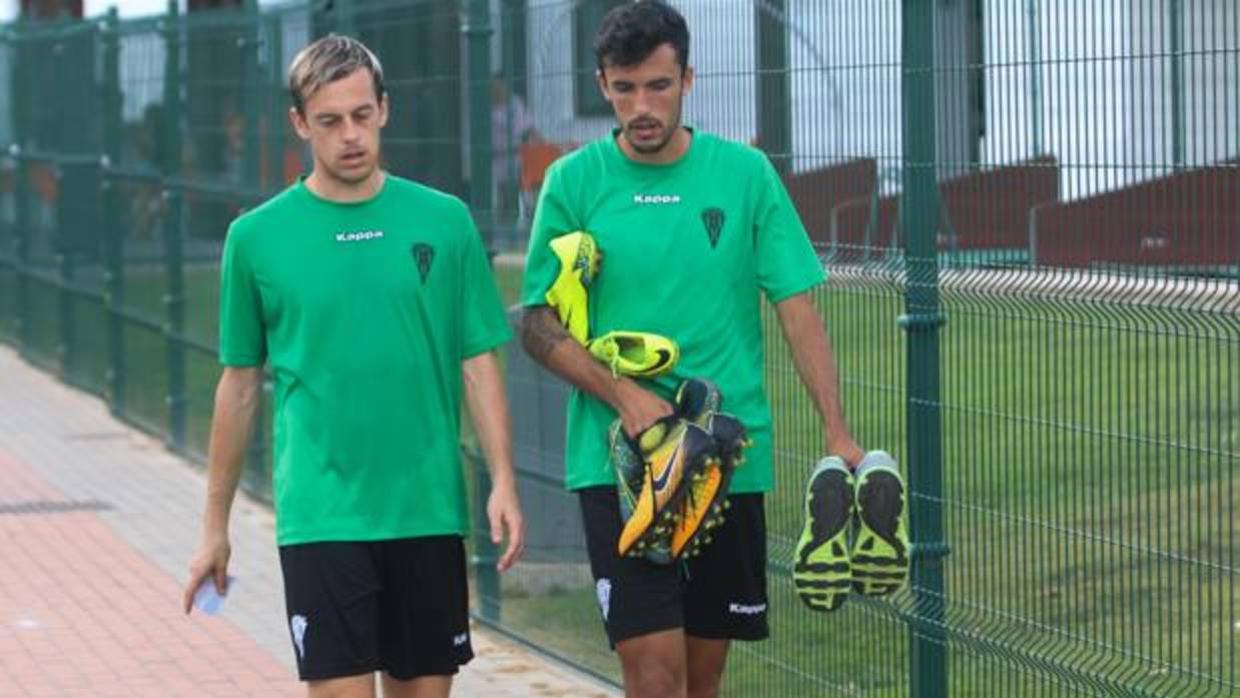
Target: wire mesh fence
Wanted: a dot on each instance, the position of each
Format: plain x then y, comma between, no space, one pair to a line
1028,210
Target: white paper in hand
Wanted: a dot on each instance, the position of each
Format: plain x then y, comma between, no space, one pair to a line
208,600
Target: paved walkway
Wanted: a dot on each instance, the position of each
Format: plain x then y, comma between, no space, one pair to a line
97,523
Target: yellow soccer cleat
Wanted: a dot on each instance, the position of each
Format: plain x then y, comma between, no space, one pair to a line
579,265
630,470
635,354
656,510
822,569
880,551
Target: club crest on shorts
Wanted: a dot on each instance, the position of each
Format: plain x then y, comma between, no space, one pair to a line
712,219
602,589
423,256
298,624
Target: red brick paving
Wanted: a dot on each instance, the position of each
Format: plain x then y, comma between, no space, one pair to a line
82,613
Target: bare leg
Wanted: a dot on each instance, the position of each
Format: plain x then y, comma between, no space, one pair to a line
360,686
654,665
706,659
421,687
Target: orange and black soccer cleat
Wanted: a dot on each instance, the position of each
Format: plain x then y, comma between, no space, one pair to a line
669,464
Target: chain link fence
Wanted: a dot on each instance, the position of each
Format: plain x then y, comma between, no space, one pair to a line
1028,212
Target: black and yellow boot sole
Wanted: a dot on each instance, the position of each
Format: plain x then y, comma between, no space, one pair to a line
821,570
880,551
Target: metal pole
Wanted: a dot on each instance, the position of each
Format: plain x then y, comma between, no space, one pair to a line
22,79
251,91
277,110
173,231
774,89
477,31
1035,77
919,218
65,236
1176,29
114,239
346,23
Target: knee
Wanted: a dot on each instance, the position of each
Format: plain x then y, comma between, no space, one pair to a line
655,680
704,687
657,683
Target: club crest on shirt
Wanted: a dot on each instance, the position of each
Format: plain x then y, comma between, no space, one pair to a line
423,256
712,219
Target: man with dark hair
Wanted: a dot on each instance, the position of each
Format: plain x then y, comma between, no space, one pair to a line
371,299
691,231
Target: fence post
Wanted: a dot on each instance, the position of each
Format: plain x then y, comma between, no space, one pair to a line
66,242
21,233
253,78
114,238
173,230
251,81
346,18
76,168
774,90
919,221
1175,28
21,191
477,32
1034,19
271,84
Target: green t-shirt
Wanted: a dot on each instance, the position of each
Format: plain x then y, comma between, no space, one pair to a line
365,312
688,248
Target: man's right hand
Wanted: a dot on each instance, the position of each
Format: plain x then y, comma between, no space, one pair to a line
638,408
210,562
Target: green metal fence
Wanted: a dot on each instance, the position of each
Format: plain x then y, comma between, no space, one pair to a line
1027,208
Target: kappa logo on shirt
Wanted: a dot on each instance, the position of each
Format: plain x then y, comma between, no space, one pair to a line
423,256
359,236
656,199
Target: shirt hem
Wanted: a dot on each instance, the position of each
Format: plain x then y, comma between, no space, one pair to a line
325,537
487,345
231,360
776,298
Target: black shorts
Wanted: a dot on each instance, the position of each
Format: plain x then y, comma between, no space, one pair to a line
720,594
400,606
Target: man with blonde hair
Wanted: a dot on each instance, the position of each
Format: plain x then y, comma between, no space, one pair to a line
370,299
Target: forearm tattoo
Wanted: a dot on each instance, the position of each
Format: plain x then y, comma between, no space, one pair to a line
541,331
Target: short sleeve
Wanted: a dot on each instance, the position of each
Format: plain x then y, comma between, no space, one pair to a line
484,323
552,218
243,339
787,263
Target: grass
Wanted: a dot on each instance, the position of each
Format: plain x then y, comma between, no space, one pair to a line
1088,493
1089,456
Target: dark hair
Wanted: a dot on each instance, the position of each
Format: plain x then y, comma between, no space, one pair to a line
632,31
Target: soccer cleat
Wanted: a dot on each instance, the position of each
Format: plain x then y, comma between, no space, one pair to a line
668,468
880,558
635,354
822,571
697,399
579,265
630,470
707,490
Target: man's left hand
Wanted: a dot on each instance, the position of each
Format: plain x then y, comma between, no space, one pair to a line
845,447
504,513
